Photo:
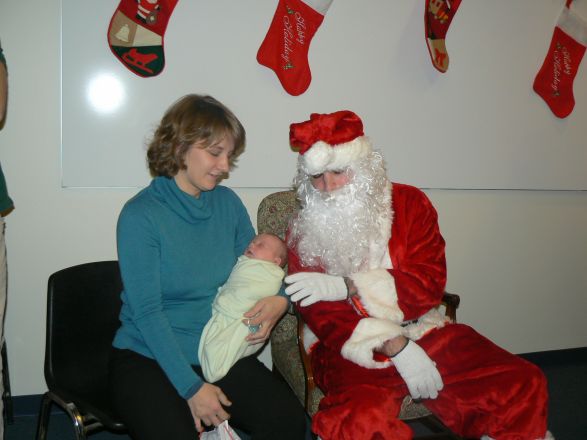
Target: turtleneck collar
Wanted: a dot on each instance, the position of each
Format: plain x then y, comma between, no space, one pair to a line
188,207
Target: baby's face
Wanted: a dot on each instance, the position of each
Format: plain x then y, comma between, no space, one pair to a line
264,247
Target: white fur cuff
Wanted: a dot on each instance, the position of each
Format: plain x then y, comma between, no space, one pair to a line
309,338
368,335
378,296
430,320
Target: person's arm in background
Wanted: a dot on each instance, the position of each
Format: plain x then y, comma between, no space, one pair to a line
3,88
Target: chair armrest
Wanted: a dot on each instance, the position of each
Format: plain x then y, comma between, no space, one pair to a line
310,385
451,302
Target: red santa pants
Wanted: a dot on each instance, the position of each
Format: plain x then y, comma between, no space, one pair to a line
487,390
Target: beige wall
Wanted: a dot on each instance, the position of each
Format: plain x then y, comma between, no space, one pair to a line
517,258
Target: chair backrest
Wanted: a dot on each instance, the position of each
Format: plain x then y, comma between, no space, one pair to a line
83,304
274,212
273,216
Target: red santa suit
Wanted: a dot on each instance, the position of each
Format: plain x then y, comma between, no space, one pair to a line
487,391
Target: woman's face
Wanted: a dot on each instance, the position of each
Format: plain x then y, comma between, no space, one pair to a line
205,167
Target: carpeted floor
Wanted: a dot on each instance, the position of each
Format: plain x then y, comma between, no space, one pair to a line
566,371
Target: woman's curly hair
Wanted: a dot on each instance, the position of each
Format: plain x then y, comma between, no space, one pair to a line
192,119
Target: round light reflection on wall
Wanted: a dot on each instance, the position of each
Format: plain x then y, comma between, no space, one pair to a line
105,93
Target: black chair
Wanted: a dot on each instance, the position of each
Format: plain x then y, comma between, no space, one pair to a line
83,304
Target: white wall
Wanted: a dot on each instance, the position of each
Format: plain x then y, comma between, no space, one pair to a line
518,258
440,130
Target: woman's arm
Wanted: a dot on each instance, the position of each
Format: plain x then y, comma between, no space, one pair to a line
244,232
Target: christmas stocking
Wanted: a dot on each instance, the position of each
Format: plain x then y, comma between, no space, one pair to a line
285,47
437,17
554,81
136,33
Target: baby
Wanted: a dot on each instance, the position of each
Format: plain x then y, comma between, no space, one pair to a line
257,274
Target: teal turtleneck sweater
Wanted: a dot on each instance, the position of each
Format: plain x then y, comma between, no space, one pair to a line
175,250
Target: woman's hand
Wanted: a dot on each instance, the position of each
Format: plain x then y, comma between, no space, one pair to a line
265,314
206,406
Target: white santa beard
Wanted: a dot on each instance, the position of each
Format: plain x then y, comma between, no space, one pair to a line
335,230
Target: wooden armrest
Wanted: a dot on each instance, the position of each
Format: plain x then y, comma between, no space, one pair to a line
308,373
451,301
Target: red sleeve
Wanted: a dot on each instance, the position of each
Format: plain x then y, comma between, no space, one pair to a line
417,252
331,321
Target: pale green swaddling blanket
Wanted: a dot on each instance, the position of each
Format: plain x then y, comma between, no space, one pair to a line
223,340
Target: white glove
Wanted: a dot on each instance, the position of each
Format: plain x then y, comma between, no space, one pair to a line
418,372
312,287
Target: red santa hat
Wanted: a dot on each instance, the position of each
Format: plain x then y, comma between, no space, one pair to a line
332,141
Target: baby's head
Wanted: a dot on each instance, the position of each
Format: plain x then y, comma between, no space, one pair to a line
268,247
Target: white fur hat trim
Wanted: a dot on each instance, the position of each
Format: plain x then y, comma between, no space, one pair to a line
310,338
325,157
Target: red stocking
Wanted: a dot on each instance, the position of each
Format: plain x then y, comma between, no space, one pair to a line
285,47
438,15
554,81
135,34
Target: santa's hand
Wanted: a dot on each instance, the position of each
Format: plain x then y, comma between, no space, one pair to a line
311,287
418,372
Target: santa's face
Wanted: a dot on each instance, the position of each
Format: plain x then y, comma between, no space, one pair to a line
342,216
329,181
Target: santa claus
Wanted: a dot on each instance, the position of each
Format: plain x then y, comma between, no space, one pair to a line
367,272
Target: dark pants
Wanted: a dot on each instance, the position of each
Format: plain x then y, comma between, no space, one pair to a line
262,405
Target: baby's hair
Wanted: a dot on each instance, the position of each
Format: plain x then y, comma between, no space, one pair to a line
282,251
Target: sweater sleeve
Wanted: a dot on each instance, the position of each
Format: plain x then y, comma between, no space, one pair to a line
244,231
139,259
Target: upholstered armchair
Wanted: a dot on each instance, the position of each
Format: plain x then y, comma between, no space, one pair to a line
290,360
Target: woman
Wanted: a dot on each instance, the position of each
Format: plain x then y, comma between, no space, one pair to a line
178,240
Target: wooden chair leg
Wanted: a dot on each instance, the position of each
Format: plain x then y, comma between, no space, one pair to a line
6,395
